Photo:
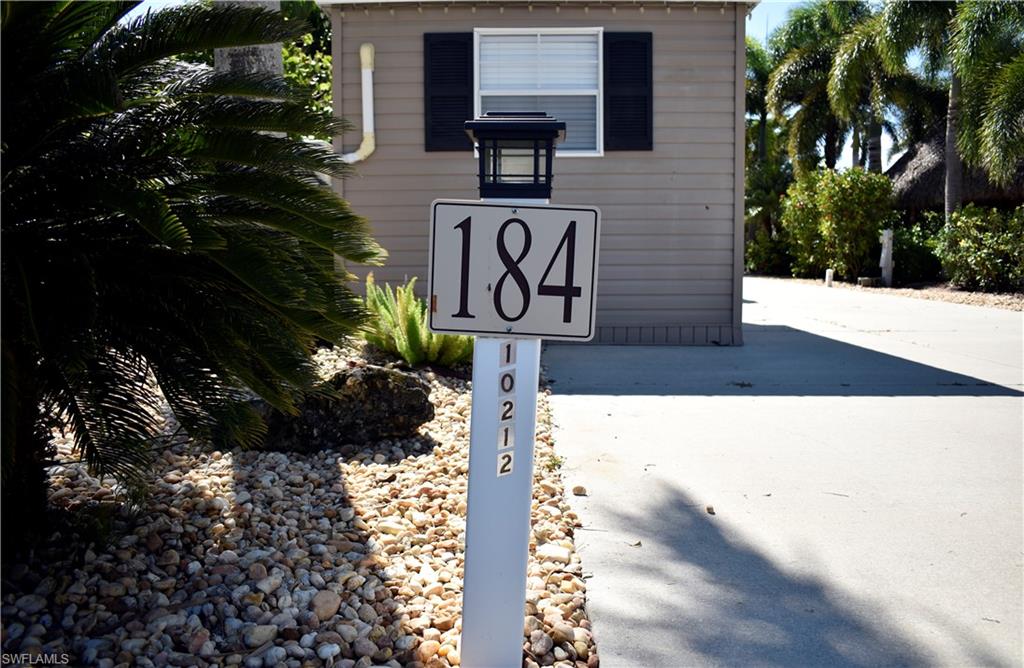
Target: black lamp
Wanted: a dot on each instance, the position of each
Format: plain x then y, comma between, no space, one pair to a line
515,149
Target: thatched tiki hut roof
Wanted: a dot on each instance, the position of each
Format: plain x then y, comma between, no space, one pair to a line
919,181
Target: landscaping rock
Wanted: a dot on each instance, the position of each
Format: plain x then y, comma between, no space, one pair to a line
540,643
363,548
427,650
553,552
255,636
365,647
328,651
30,603
325,604
369,403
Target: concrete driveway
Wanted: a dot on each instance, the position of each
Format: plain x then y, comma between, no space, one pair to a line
846,489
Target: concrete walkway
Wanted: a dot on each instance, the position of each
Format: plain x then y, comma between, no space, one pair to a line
862,459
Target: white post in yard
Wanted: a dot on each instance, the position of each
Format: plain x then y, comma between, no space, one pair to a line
498,522
886,262
498,515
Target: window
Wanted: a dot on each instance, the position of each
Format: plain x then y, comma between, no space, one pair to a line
555,70
601,83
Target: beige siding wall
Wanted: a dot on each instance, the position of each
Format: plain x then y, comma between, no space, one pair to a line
667,267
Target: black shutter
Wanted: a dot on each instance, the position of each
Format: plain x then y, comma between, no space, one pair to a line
447,90
628,92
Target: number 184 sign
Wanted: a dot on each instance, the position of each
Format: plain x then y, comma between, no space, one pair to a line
513,270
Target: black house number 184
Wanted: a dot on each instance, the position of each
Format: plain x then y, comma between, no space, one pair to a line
514,274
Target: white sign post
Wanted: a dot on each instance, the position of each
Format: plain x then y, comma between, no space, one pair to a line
512,273
886,261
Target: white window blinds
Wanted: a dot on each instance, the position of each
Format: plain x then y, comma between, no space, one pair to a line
552,72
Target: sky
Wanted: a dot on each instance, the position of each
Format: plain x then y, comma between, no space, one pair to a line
147,5
767,16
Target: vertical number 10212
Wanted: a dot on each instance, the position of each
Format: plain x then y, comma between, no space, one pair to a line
566,290
506,407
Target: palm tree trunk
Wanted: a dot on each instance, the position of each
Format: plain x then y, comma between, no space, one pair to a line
875,146
954,166
255,59
855,148
831,139
762,137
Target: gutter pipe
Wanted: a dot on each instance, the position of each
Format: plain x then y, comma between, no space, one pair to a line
369,143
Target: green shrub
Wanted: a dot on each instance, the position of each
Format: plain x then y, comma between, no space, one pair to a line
914,255
767,178
768,254
399,327
983,249
309,70
833,220
801,222
855,206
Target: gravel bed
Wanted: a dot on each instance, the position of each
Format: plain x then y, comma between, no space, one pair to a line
945,292
347,557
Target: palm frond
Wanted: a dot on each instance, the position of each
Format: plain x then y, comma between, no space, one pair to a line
152,230
268,153
979,24
801,70
854,70
1002,132
906,24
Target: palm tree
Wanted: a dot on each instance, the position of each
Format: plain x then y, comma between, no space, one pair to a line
988,57
906,25
804,47
160,228
768,172
865,93
858,88
759,70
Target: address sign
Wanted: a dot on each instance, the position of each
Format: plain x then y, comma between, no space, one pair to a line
513,270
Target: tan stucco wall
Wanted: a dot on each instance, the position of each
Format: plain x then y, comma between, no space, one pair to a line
669,264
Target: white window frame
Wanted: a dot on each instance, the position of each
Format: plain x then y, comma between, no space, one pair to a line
599,92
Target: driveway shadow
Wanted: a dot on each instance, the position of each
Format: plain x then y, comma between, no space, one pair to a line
727,604
776,361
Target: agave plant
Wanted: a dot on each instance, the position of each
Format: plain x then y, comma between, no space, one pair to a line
399,327
162,226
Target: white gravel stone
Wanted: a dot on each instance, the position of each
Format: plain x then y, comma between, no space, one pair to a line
268,584
328,651
325,604
554,552
30,604
347,633
255,636
274,656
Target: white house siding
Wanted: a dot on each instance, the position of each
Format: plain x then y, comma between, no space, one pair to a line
669,266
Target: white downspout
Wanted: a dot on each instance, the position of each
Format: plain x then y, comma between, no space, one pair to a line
369,142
